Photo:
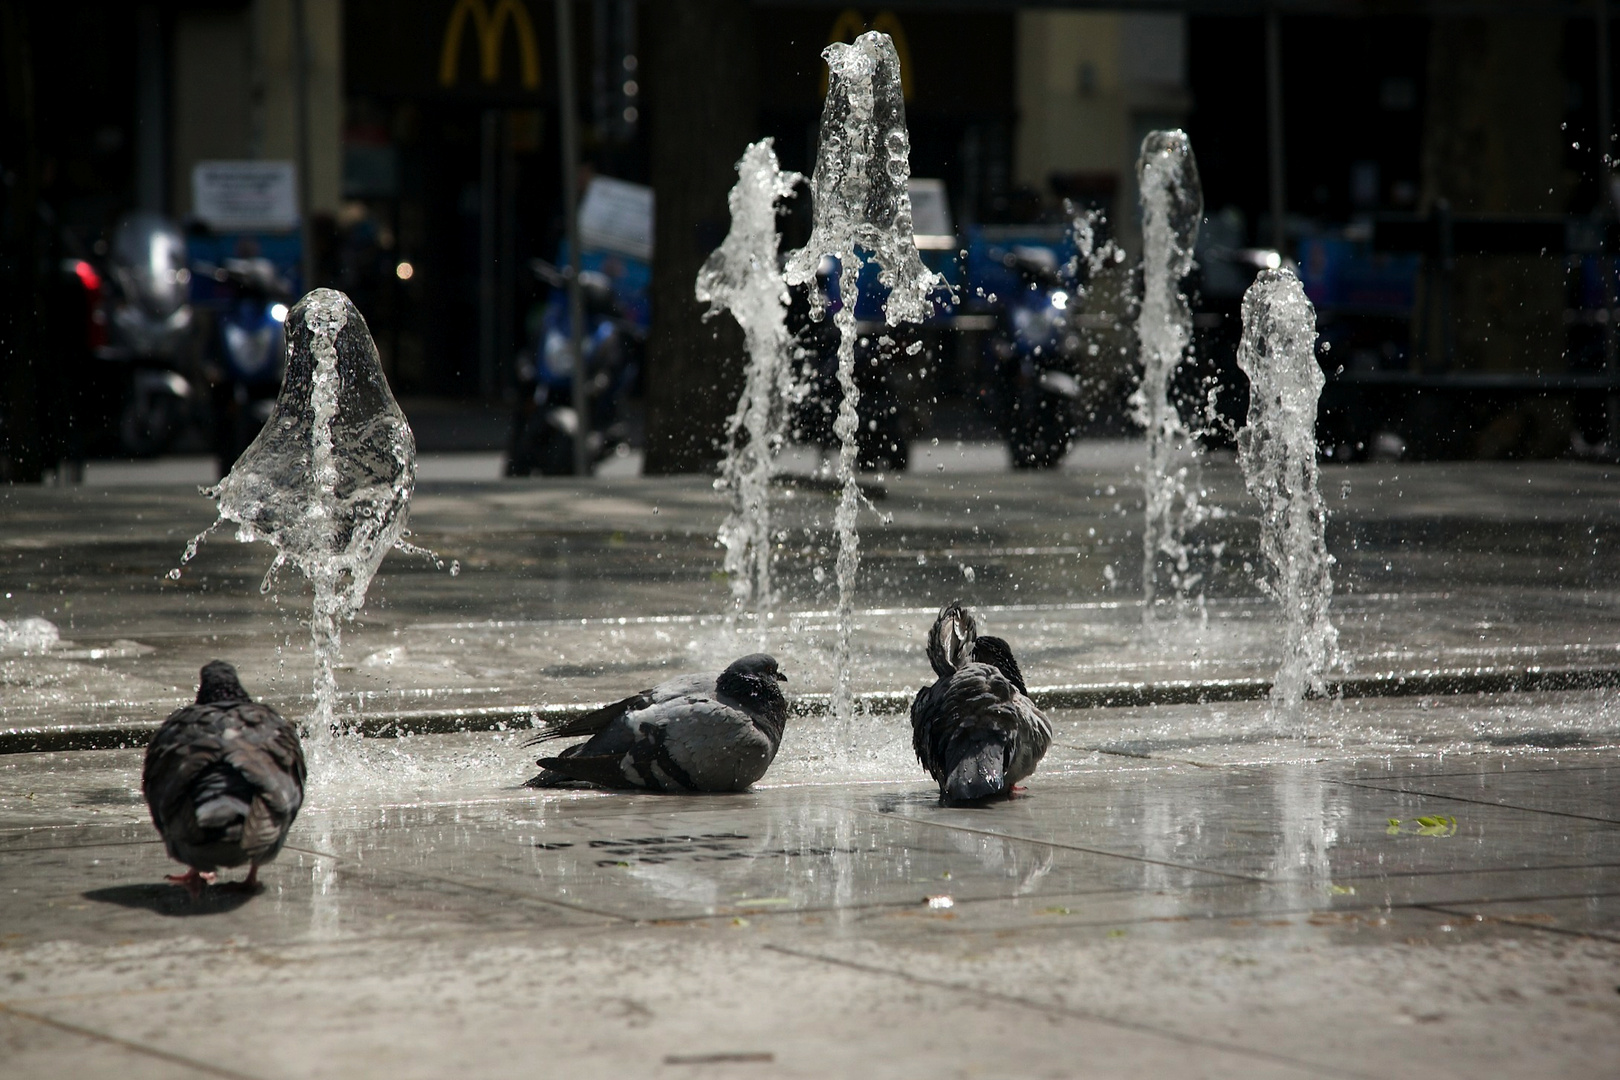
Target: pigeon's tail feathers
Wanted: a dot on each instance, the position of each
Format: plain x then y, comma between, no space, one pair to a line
950,639
606,770
221,796
221,813
590,723
980,770
549,779
263,830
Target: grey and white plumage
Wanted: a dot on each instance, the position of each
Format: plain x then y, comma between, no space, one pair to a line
975,729
713,731
224,779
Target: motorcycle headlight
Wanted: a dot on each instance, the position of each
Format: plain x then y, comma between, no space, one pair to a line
559,363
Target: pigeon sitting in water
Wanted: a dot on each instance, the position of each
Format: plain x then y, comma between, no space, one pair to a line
705,732
975,730
224,779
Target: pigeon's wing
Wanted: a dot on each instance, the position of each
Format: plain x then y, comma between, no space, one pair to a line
185,746
692,743
1034,738
607,745
983,707
589,723
606,770
926,716
267,754
705,744
979,696
593,722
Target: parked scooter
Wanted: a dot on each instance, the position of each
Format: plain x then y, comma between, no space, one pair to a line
149,321
1210,381
886,357
1035,352
543,427
247,353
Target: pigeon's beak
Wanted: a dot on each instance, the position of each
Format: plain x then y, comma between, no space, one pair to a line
780,677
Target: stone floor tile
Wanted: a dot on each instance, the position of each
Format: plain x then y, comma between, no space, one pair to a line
1204,909
109,893
1588,794
1595,914
1411,993
32,1046
673,1002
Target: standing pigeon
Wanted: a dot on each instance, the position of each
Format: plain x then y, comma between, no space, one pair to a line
975,730
224,779
704,732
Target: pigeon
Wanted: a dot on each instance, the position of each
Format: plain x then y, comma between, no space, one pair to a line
705,732
975,730
224,779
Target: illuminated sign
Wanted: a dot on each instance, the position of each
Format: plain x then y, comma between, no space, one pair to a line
491,26
850,25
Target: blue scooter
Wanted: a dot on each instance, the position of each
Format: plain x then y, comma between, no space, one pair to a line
1035,352
248,352
543,427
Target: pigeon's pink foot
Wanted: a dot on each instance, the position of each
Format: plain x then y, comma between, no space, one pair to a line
249,884
1019,789
192,881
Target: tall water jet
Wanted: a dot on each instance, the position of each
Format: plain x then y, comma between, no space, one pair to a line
1277,452
328,481
742,276
1172,207
862,211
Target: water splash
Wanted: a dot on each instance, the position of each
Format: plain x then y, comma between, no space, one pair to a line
862,211
1172,207
741,276
29,636
328,481
1091,258
1277,452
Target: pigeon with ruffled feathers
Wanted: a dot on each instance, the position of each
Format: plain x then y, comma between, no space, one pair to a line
224,778
975,729
713,731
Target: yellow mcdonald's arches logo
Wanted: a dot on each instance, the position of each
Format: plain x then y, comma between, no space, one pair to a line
850,25
490,26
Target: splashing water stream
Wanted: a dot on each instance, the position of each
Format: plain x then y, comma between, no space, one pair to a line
1277,452
1172,206
862,210
741,276
328,481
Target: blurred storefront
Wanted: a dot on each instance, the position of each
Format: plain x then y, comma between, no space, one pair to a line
423,139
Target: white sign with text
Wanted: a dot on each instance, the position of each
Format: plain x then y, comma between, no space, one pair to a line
230,196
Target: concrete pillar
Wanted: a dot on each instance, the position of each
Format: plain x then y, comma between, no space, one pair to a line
151,111
1492,145
208,96
234,95
1090,86
275,105
1072,115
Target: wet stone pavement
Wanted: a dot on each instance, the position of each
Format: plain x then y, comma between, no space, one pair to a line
1420,879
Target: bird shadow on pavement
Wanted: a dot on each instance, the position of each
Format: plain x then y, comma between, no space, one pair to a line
171,900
